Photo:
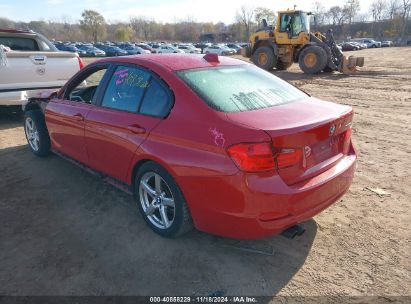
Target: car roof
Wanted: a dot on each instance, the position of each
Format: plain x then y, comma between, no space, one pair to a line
176,62
8,30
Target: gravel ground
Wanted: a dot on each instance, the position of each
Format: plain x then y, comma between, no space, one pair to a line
65,232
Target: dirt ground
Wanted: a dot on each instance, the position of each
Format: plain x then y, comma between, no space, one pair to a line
65,232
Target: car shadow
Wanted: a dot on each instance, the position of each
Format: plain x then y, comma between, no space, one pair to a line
10,117
66,232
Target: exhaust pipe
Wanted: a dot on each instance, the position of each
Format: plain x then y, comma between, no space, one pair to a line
293,231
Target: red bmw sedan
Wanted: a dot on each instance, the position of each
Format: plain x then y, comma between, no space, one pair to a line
201,141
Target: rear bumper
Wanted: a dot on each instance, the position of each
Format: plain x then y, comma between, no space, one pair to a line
252,206
13,98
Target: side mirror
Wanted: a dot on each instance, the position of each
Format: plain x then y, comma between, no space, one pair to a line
264,22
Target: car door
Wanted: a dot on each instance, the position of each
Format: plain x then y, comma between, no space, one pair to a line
65,116
134,102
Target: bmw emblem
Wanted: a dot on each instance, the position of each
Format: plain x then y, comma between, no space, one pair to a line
332,130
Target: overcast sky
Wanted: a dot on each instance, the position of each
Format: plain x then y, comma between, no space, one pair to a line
160,10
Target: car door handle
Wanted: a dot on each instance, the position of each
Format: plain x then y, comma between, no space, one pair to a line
78,117
137,129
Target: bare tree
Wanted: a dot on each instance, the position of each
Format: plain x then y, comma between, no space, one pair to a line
351,8
377,9
337,14
319,12
68,27
391,9
245,16
142,26
405,14
261,13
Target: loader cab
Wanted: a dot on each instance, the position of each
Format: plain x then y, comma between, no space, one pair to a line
292,26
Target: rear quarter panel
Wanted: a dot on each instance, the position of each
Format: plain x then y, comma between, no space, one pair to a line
193,139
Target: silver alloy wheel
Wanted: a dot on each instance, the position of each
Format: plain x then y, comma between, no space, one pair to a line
32,134
157,200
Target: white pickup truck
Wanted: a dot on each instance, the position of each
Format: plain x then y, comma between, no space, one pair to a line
29,63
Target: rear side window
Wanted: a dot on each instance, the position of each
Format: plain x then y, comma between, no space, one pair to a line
157,100
20,44
126,89
240,88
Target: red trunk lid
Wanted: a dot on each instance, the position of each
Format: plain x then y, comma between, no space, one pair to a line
318,129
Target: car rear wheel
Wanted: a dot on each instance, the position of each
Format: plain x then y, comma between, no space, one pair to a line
36,133
161,202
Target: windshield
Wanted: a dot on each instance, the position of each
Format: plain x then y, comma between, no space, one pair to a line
305,20
301,23
240,88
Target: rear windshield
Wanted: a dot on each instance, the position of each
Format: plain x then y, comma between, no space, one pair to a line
20,44
240,88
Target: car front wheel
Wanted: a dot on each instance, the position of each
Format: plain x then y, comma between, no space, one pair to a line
36,133
161,201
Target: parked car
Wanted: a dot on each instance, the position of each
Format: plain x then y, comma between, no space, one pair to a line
167,48
71,48
145,47
202,46
348,46
155,47
210,142
386,43
219,50
360,46
134,50
92,51
114,51
33,63
190,49
235,47
369,42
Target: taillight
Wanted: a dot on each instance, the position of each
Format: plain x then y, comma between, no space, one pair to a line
253,157
347,141
80,62
288,157
259,157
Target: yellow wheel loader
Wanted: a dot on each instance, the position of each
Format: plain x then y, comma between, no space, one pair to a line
291,41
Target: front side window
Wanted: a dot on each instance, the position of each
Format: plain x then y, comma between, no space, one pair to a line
126,88
240,88
85,89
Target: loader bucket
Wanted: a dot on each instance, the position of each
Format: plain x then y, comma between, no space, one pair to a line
349,65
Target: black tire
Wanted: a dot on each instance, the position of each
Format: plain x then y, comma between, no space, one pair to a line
282,66
37,118
312,59
182,222
264,58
